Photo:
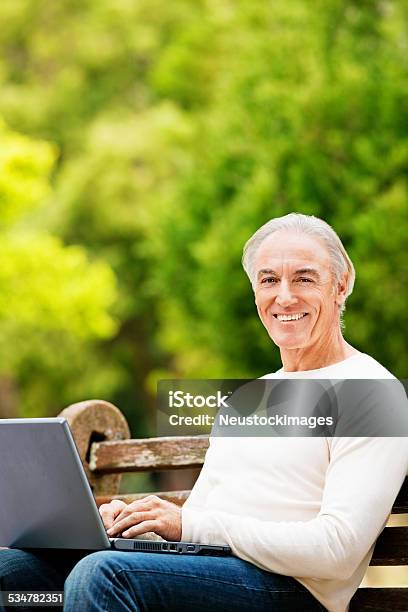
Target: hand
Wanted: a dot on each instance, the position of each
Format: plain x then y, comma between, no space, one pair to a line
110,511
148,514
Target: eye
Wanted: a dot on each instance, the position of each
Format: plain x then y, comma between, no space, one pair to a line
304,280
269,280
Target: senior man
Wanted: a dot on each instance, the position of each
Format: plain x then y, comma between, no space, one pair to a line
300,514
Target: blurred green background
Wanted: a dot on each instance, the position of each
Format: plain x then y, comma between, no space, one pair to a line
141,144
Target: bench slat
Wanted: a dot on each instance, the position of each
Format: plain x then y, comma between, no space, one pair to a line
391,547
380,600
401,503
148,454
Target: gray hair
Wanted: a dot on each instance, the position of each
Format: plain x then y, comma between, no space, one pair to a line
305,224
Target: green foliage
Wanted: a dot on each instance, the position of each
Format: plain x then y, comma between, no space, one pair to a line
48,285
53,300
24,170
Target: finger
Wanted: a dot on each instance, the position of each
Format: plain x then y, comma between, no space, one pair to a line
129,521
115,505
109,512
130,509
141,528
150,498
106,512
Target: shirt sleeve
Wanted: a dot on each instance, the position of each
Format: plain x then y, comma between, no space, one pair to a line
362,482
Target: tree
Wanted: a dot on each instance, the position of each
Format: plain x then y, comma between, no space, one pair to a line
53,300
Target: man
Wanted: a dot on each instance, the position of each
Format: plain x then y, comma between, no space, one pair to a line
300,514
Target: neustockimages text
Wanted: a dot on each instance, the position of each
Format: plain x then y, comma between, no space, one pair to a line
180,399
226,420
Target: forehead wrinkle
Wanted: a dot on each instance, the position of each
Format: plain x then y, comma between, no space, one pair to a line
302,270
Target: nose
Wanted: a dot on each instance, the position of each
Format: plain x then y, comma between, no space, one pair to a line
284,296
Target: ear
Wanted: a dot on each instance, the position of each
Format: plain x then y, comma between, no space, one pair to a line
341,290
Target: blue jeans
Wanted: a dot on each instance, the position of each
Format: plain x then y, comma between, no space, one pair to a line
113,581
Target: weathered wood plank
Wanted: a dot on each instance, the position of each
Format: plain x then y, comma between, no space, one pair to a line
177,497
401,503
380,600
391,547
148,454
93,421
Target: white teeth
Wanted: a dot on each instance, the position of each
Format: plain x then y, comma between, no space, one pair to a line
292,317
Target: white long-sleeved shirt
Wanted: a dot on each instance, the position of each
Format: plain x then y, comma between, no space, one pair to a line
310,508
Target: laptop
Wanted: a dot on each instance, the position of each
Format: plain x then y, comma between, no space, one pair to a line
47,502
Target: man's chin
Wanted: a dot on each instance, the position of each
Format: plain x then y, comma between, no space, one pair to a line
288,341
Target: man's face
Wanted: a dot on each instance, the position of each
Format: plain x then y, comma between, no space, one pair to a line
294,290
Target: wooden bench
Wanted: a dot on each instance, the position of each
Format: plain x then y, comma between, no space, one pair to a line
103,439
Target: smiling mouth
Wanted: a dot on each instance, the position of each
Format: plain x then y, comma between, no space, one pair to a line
290,317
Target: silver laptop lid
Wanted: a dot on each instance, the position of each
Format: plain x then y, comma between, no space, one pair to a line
45,497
